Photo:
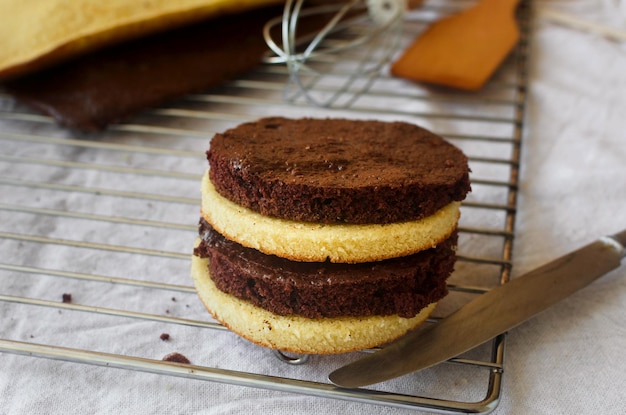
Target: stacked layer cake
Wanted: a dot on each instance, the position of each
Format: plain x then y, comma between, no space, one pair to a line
327,235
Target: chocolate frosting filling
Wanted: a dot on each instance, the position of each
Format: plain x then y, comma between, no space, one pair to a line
402,286
337,170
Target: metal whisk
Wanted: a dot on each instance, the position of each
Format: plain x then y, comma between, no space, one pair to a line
360,27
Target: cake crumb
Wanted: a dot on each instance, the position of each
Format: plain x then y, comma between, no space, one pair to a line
165,336
67,298
176,357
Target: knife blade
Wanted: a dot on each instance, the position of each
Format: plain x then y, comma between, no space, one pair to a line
488,315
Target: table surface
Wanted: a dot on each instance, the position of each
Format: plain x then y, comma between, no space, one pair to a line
572,190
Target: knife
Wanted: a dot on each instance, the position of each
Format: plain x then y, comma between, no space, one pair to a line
487,316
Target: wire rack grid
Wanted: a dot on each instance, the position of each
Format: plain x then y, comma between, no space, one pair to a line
59,205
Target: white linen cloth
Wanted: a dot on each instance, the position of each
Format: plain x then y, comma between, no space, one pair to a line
568,360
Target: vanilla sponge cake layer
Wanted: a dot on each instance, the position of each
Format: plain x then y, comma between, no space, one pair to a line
295,333
316,242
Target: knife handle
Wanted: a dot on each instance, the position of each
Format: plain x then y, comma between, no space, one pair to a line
620,238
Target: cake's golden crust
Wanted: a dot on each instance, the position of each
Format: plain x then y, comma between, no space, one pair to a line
347,243
294,333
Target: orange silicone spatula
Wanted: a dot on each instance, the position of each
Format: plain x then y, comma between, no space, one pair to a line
463,50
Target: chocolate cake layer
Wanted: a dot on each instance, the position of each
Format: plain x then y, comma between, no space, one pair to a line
401,286
108,86
337,170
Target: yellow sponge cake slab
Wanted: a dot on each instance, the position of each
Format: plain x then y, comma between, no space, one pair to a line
316,242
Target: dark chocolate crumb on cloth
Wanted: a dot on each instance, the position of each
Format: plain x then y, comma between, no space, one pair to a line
176,357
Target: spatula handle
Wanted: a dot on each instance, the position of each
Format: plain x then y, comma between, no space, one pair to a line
499,4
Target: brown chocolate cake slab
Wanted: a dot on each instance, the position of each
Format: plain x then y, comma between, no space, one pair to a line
337,170
402,286
107,86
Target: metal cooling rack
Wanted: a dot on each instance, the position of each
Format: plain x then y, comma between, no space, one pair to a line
487,125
